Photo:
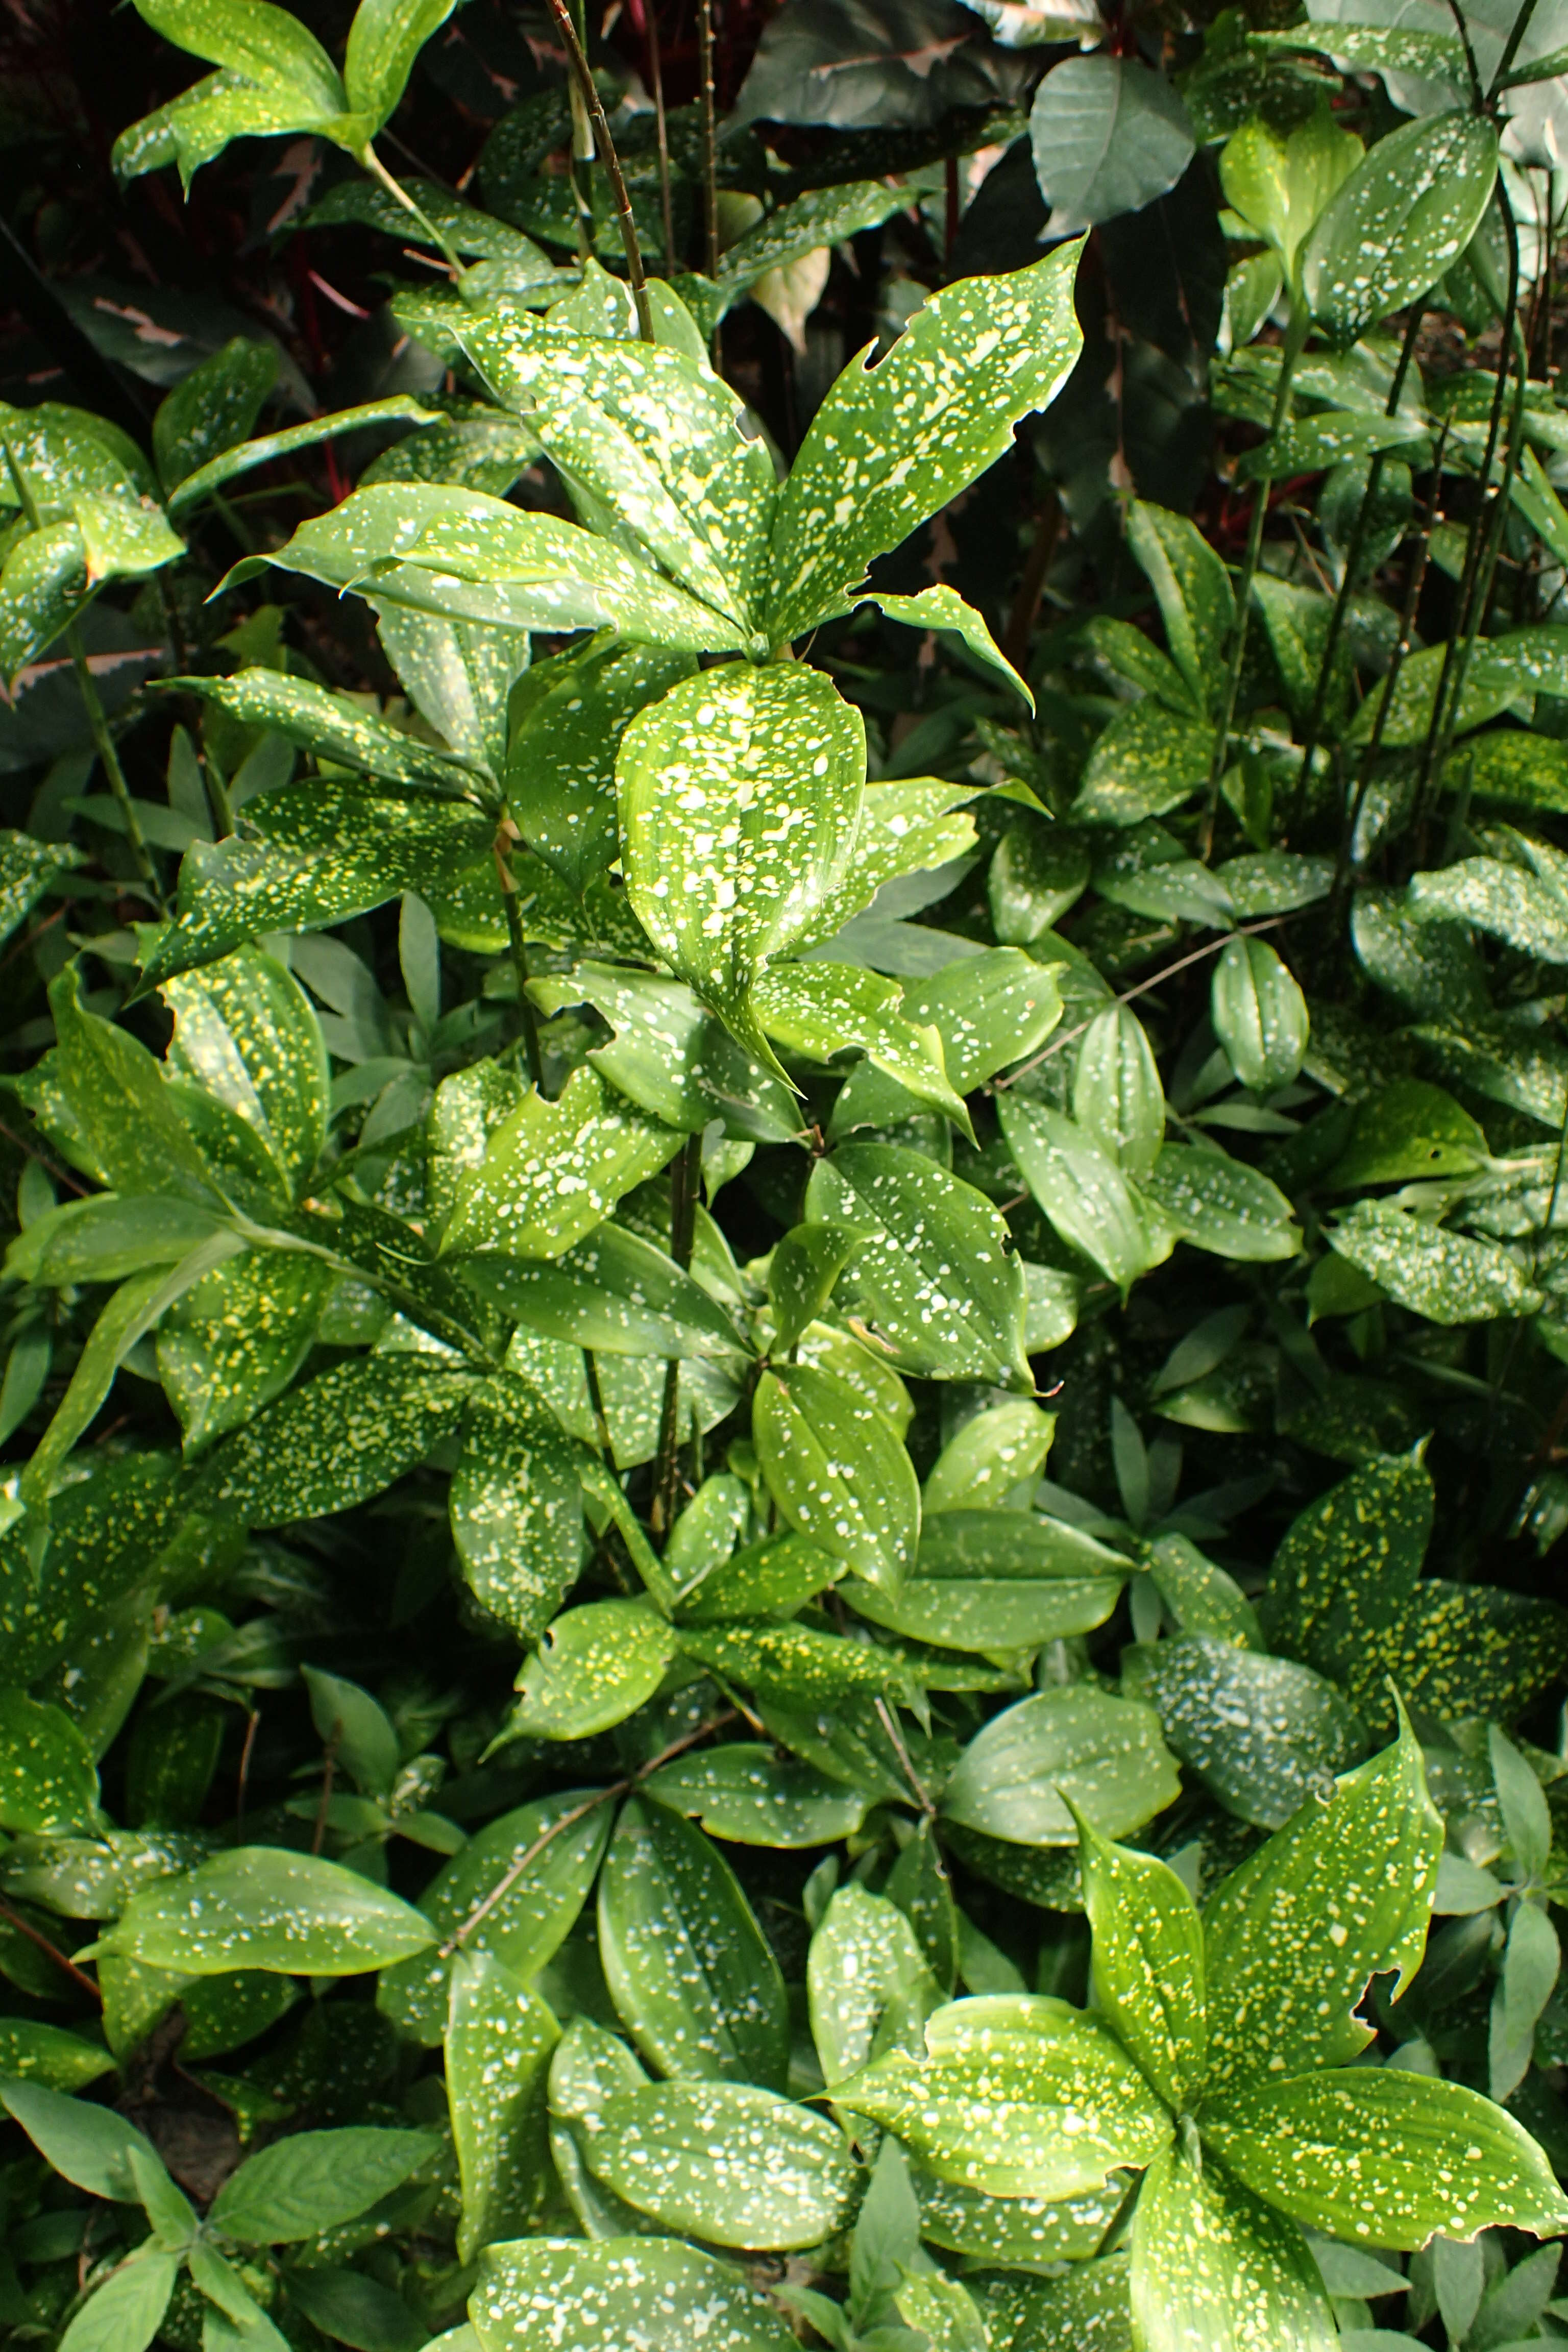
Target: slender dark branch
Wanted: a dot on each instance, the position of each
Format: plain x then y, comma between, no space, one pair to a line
1512,47
682,1226
595,104
709,137
661,126
62,1960
1463,30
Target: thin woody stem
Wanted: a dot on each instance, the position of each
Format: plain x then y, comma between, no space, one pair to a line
595,104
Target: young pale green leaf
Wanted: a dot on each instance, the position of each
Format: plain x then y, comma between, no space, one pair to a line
1117,1097
740,797
338,1440
516,1506
1148,1962
1083,1192
384,38
1220,1205
596,1665
1196,601
263,1907
553,1171
549,2295
945,611
267,44
1022,2097
47,1777
867,1984
126,2312
1408,209
731,2163
751,1795
314,2180
1017,1776
359,1733
1000,1448
1445,1277
1214,2270
836,1472
1259,1015
500,2041
90,2144
935,1287
696,1985
1342,1893
891,444
1385,2156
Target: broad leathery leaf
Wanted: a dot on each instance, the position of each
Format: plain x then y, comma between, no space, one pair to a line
748,1794
1021,2097
1263,1734
1408,209
1193,587
696,1985
1259,1015
460,553
560,764
90,2145
1214,2270
1117,1098
1348,1562
936,1286
260,1907
1016,1777
235,1340
615,1293
247,1033
457,675
1108,135
336,1440
727,2162
651,444
596,1666
990,1617
1221,1204
314,2180
1083,1192
945,611
1446,1277
820,1009
333,727
907,825
500,2041
551,1172
267,44
54,2060
1340,1893
384,38
550,2294
126,2312
891,444
47,1777
1390,2157
547,1870
516,1506
1149,760
740,798
1000,1448
1148,1962
836,1472
117,1096
213,407
868,1987
400,408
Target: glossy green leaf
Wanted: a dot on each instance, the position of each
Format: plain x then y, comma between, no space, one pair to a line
1445,1277
994,1617
749,1795
500,2040
1149,760
399,408
237,1338
596,1666
945,611
837,1473
338,1439
311,2181
384,38
1117,1098
1377,2154
891,444
1341,1892
90,2145
262,1907
1083,1192
1108,135
125,2312
990,1011
333,727
117,1095
213,407
34,2051
867,1984
1259,1015
1263,1734
1347,1560
1408,209
1214,2270
561,762
550,2294
1016,2229
1014,1778
820,1009
516,1506
1220,1205
697,1987
1000,1448
1198,603
47,1777
1148,1962
733,2165
553,1171
27,870
672,1057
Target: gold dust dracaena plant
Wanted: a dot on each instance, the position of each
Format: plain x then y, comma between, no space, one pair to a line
1221,2062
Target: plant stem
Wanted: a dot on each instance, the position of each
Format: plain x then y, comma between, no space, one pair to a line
597,1401
682,1225
1512,47
661,122
108,756
709,138
595,105
1463,31
394,188
1291,351
505,836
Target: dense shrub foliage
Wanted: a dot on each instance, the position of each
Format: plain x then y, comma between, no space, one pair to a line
786,1312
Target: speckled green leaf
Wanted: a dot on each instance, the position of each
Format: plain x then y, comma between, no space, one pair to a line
500,2040
550,2294
1259,1015
649,442
672,1057
729,2163
1408,1128
1220,1205
1118,1100
1385,2156
1015,1777
740,798
964,1544
867,1984
796,1666
333,727
213,407
32,2051
596,1666
1348,1562
260,1907
456,673
338,1440
267,44
891,444
48,1777
991,2106
516,1506
615,1293
820,1009
116,1091
1083,1192
1016,2229
311,2181
907,825
838,1474
945,611
987,1615
234,1341
248,1033
694,1982
27,870
1342,1893
1408,209
942,2309
936,1288
1446,1277
1457,1650
990,1011
561,766
1214,2270
1149,760
399,408
384,38
1198,603
1506,900
749,1794
547,1872
1262,1734
1148,1962
552,1170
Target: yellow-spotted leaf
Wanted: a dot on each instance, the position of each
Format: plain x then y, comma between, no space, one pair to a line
1214,2270
552,1170
500,2041
1148,1962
